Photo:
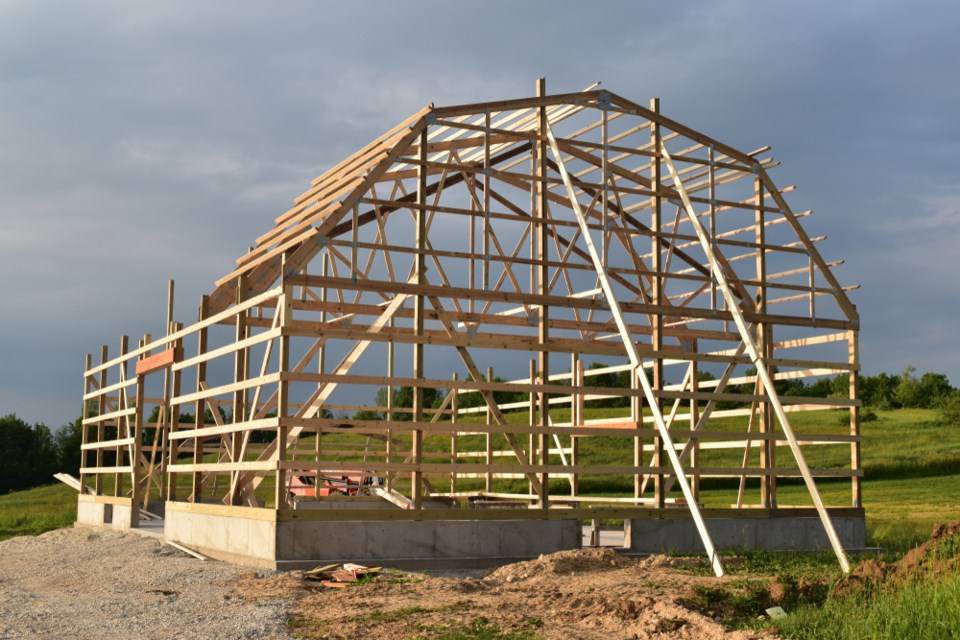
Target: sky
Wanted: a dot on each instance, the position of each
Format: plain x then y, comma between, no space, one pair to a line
146,141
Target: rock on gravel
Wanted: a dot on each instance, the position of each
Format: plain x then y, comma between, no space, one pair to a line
84,583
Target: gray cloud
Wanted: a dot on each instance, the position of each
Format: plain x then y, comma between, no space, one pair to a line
144,142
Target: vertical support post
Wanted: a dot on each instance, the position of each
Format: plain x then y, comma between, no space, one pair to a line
285,309
101,428
532,412
636,416
420,269
853,350
158,463
768,447
454,416
543,289
239,396
139,491
604,181
124,420
656,320
391,360
322,368
694,419
197,482
172,447
576,420
488,483
84,429
711,155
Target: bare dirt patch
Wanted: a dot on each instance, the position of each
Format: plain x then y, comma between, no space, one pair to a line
586,594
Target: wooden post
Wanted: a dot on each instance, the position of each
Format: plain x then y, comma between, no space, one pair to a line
196,488
138,492
488,482
285,309
420,269
322,368
533,398
454,411
101,428
853,352
656,319
543,288
636,416
165,415
123,421
240,373
694,419
576,419
85,429
391,360
171,446
768,448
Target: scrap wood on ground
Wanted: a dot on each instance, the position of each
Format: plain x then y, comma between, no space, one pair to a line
339,575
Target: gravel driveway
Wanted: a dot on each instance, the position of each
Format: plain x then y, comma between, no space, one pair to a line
92,584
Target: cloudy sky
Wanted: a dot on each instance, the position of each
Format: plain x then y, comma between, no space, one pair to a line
146,141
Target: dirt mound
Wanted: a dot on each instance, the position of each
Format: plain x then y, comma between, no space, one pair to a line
932,561
586,594
559,564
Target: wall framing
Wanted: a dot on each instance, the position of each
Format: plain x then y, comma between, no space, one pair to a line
526,239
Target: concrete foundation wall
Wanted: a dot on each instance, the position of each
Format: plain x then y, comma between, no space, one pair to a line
771,534
125,517
92,513
236,539
432,540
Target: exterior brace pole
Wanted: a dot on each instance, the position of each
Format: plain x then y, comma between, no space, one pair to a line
758,361
635,361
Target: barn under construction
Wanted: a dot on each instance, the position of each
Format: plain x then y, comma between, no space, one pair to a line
493,323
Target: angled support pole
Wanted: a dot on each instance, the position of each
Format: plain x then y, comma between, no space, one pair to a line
754,353
635,361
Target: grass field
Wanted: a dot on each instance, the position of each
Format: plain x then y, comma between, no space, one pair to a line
911,483
911,463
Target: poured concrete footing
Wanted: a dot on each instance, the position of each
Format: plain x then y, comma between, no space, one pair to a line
780,533
423,544
409,544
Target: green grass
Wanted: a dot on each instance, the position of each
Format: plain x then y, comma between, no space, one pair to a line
480,629
35,511
926,611
912,475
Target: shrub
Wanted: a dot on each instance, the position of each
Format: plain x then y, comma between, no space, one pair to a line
949,407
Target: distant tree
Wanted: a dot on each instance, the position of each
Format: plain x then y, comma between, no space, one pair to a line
67,442
879,390
28,454
924,392
403,399
610,379
368,414
949,408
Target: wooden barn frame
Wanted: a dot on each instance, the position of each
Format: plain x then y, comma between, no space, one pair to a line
507,264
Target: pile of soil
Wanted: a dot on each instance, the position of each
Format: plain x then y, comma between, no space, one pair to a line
587,594
932,561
